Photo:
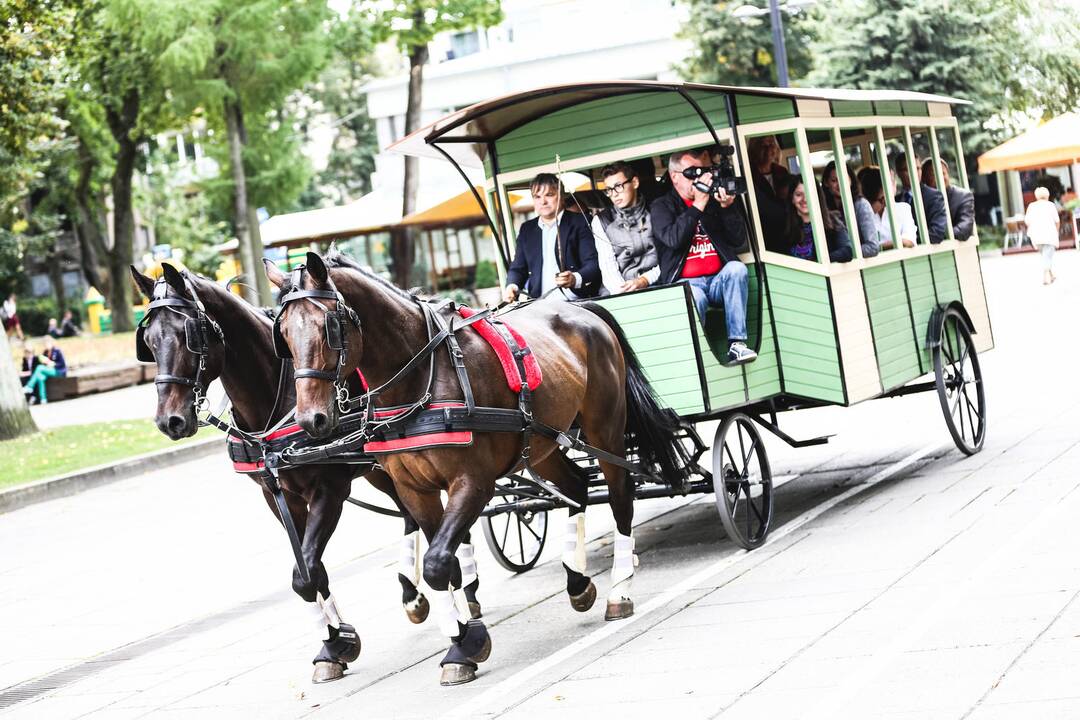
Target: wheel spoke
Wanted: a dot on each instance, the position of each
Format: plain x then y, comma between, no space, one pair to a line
506,533
521,541
746,459
742,449
532,532
758,512
749,520
731,457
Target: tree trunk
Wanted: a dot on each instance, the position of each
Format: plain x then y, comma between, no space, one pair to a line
15,419
402,245
257,288
56,275
121,123
88,227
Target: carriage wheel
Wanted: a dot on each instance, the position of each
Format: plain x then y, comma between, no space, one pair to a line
742,481
516,538
959,384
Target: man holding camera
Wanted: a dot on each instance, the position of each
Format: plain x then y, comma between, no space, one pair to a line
697,234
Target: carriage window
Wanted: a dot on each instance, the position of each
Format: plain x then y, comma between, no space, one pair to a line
947,149
928,177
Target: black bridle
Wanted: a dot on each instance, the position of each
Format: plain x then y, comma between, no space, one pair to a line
334,325
197,329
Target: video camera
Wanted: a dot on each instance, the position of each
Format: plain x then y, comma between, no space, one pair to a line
723,175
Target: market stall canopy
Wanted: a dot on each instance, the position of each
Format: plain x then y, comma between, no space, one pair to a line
462,209
376,211
464,135
1056,142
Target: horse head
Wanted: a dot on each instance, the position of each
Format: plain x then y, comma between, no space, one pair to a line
186,344
322,336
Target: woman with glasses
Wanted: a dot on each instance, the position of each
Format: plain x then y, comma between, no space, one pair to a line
623,233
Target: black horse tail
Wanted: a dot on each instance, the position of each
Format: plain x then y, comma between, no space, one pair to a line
652,429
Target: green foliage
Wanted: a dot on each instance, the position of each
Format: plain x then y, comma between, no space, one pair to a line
1005,56
413,23
339,93
33,36
34,313
487,275
182,220
728,50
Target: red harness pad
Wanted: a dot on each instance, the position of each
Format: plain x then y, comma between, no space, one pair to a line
249,467
428,440
533,376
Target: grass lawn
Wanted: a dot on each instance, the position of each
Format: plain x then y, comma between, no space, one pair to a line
67,449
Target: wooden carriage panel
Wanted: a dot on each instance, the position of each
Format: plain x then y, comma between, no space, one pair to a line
762,108
973,295
855,337
657,326
890,319
762,375
946,282
809,360
607,125
923,299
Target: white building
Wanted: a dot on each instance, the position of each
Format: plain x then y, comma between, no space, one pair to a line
539,42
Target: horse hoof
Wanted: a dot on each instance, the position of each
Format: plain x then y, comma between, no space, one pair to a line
328,671
584,601
624,608
455,674
417,610
474,610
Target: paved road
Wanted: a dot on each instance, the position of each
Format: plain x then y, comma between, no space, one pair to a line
901,580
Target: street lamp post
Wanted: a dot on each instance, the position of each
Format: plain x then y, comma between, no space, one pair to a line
779,50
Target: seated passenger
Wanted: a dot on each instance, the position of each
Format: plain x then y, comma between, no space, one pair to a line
770,185
933,203
864,217
830,180
555,251
870,180
697,236
798,238
961,202
623,234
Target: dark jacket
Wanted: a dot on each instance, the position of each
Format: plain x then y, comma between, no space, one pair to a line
673,226
59,363
934,207
576,252
772,202
962,212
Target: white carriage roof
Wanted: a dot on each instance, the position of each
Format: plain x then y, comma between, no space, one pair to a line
463,134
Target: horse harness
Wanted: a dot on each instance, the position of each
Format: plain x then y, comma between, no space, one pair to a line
197,330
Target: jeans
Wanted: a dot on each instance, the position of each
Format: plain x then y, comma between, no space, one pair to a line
41,373
728,289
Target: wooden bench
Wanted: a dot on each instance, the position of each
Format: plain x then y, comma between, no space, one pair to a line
99,378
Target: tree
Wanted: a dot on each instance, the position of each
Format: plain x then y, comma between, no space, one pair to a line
727,50
238,59
340,94
413,24
1005,56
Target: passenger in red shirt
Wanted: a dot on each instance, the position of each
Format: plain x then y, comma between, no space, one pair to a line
697,239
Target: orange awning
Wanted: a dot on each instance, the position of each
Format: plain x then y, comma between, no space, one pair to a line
1056,142
457,210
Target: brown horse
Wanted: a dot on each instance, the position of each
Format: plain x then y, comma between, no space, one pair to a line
590,377
262,392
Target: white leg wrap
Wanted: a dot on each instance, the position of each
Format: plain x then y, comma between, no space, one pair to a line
462,604
328,612
465,558
409,559
573,555
622,567
446,612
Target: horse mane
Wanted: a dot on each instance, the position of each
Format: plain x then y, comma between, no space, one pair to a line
224,295
334,258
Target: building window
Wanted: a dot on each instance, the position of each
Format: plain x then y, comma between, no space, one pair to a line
463,43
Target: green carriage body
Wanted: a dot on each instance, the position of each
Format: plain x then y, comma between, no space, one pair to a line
827,333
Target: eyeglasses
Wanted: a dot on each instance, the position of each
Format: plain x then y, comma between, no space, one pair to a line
616,188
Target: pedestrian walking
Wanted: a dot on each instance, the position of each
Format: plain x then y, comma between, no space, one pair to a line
1043,224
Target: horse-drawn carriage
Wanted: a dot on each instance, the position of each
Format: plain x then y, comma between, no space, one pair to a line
826,333
625,380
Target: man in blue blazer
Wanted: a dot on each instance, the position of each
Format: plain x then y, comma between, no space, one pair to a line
555,251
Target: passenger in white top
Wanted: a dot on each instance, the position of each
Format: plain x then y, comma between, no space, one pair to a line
623,234
870,180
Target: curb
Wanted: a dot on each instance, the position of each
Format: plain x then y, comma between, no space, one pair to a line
72,483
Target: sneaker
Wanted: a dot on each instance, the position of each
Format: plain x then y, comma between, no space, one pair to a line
739,354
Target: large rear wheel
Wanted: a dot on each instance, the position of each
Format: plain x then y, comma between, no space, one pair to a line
959,382
742,481
516,538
